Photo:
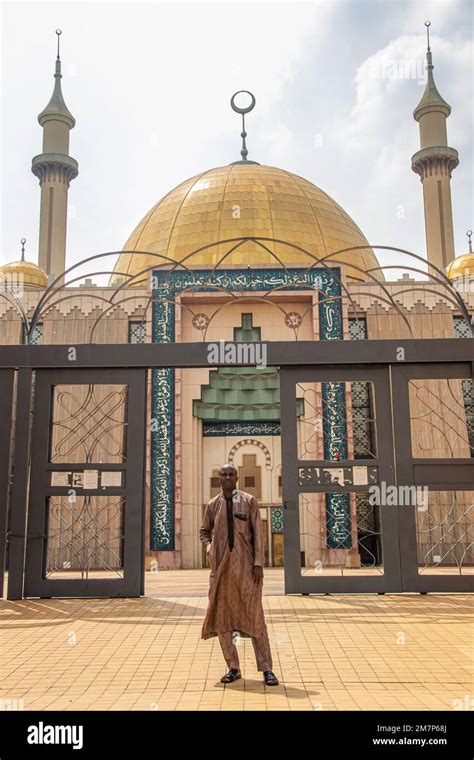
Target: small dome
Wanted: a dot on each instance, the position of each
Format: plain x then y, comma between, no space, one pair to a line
245,199
24,273
462,266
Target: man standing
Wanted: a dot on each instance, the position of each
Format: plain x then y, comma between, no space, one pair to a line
232,533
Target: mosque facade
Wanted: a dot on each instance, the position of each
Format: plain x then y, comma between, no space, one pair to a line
246,254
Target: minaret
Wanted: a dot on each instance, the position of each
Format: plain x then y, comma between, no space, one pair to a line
55,169
434,163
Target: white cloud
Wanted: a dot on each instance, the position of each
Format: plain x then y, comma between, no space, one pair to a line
151,92
379,135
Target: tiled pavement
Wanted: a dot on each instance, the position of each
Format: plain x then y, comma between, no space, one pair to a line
338,652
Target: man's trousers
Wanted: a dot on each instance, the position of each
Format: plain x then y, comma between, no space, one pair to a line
261,646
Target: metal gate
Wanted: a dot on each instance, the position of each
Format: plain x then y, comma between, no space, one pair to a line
85,516
439,398
77,473
326,537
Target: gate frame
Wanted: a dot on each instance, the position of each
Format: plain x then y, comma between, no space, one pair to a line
7,389
284,354
442,472
132,489
398,534
390,579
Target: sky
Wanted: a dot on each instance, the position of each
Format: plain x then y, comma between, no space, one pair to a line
149,85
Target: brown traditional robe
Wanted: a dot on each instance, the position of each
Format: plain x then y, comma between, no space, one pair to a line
235,600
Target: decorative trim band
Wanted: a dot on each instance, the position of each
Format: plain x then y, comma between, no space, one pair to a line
166,286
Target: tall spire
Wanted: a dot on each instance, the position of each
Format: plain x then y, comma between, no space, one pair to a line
55,169
57,108
238,109
434,163
431,99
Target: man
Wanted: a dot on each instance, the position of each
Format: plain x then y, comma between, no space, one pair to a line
232,533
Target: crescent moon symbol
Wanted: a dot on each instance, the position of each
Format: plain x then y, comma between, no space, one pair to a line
242,110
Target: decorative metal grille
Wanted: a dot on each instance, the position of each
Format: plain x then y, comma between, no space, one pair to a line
359,549
445,532
89,424
442,418
369,533
468,398
325,418
85,536
462,330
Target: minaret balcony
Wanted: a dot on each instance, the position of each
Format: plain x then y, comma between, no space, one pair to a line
55,166
435,160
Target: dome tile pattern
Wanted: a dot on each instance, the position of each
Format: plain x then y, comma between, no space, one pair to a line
462,266
25,273
244,200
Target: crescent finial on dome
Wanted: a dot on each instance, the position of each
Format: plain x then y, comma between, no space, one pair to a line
243,111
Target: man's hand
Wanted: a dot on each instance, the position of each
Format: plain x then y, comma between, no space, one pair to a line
208,548
257,574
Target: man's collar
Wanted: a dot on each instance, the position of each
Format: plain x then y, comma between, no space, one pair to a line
234,492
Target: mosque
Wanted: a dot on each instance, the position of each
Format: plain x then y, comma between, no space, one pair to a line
247,252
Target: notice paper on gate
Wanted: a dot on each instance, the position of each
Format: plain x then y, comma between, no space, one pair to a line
111,479
60,479
359,476
91,480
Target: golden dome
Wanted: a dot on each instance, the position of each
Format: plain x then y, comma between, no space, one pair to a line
462,266
239,200
24,274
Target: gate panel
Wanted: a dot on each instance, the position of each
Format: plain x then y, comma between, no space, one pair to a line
19,495
7,377
434,439
86,506
329,545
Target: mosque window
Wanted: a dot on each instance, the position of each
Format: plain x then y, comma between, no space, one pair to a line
249,475
361,396
215,483
137,332
463,330
36,338
357,328
361,420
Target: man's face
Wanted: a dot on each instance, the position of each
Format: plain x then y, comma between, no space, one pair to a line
228,478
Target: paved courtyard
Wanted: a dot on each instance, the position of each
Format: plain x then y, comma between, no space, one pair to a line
367,652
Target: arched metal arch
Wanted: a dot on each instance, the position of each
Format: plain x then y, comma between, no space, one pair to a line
326,261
